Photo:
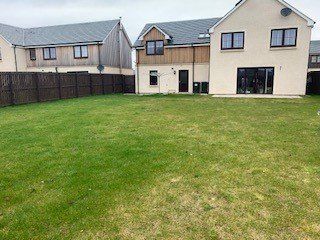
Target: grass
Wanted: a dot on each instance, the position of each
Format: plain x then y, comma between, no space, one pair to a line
161,167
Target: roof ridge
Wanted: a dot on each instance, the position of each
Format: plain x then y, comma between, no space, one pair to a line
78,23
10,25
198,19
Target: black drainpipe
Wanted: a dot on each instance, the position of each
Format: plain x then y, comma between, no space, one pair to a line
193,65
15,57
99,55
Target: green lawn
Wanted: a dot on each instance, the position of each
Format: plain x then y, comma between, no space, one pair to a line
160,167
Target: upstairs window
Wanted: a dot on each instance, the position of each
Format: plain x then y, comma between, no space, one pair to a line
49,53
32,52
204,35
153,78
284,37
233,40
80,51
0,54
315,59
155,48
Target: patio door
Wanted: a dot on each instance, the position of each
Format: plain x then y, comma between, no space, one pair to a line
183,81
255,80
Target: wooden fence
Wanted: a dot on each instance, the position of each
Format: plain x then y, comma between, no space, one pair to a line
22,88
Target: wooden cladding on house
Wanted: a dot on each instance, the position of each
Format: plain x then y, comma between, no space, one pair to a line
200,54
65,57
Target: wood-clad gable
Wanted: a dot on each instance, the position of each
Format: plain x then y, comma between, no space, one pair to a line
154,34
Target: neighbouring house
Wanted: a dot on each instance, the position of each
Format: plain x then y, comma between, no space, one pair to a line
313,86
259,47
67,48
314,59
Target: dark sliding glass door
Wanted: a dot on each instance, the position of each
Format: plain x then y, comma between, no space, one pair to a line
255,81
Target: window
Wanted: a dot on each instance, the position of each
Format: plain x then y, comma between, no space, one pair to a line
155,48
80,51
49,53
204,35
232,40
33,56
314,59
153,78
284,37
159,47
0,54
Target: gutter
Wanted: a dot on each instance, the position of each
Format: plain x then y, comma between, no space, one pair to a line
177,46
61,45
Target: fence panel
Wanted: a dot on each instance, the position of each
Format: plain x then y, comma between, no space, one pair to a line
20,88
5,90
83,84
68,85
96,84
129,84
48,87
24,88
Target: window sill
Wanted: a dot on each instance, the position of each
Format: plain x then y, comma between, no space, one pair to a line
154,86
232,50
282,48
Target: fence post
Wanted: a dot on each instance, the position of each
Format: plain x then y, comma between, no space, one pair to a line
123,83
77,85
102,81
36,81
113,84
91,87
11,90
59,85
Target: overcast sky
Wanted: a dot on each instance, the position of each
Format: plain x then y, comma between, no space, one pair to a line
135,13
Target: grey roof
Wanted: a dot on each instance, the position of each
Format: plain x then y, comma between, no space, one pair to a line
60,34
315,47
183,32
12,34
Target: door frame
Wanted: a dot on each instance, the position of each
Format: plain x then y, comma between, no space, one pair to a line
188,80
256,68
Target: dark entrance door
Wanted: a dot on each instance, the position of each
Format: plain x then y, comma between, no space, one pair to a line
183,81
255,80
313,83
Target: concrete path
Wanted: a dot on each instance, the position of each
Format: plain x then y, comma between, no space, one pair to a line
257,96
